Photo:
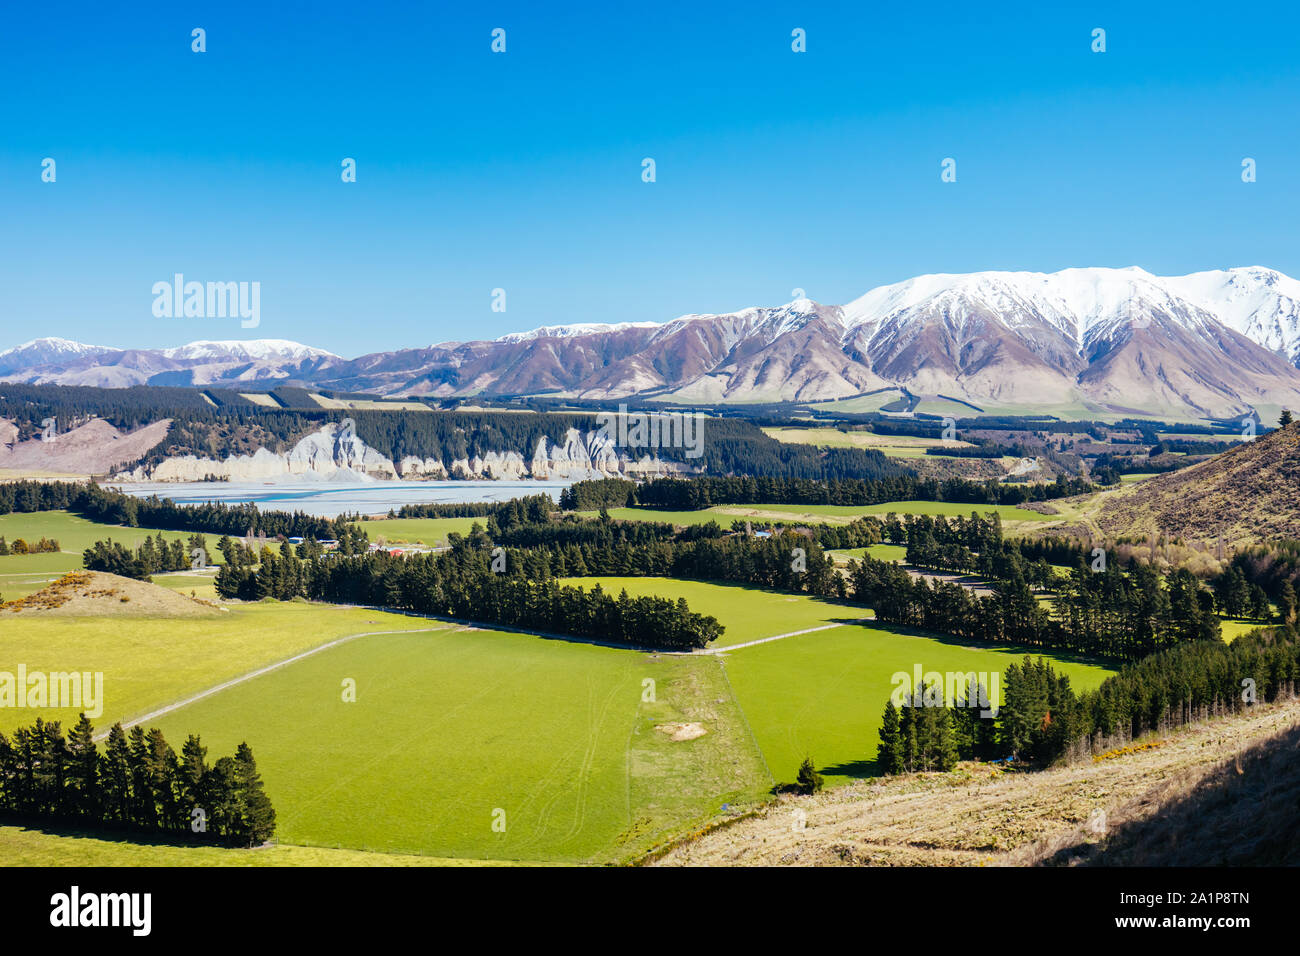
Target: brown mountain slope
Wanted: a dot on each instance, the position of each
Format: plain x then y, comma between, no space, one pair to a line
94,448
1249,493
1244,812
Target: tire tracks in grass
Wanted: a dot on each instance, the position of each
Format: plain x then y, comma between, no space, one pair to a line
418,731
596,717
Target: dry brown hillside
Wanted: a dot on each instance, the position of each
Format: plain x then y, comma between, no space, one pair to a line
80,593
981,816
1249,493
94,448
1244,812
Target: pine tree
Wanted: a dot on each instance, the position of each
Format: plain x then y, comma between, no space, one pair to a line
192,779
1286,602
809,780
256,815
908,729
889,754
1259,607
224,816
115,778
83,772
144,808
944,744
164,774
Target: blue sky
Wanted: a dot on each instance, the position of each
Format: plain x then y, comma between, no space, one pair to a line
775,170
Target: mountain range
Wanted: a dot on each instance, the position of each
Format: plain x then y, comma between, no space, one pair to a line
1209,344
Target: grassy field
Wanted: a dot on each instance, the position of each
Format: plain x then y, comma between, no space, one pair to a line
452,724
822,514
453,727
748,613
821,695
21,846
363,404
1232,628
861,403
149,662
74,535
430,531
881,552
895,446
21,574
200,584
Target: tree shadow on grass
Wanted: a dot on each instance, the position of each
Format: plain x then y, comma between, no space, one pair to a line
108,834
853,769
1021,650
843,772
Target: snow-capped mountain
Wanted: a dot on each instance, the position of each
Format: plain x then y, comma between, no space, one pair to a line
253,350
1207,344
1261,304
568,331
64,362
46,351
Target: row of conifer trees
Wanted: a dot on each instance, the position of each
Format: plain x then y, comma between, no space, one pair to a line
137,783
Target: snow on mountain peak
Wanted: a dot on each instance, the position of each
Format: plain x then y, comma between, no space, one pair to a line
569,331
255,349
1082,303
55,343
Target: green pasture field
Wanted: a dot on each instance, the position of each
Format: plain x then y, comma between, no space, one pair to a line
428,531
1232,628
749,613
454,730
822,694
148,662
894,446
23,846
861,403
944,406
724,515
74,535
452,724
881,552
199,584
15,585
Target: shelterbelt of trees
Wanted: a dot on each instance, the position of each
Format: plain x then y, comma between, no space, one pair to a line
138,783
1116,614
1042,719
689,494
461,583
529,508
151,556
504,575
113,507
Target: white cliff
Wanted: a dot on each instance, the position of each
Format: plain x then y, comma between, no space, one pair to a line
336,453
